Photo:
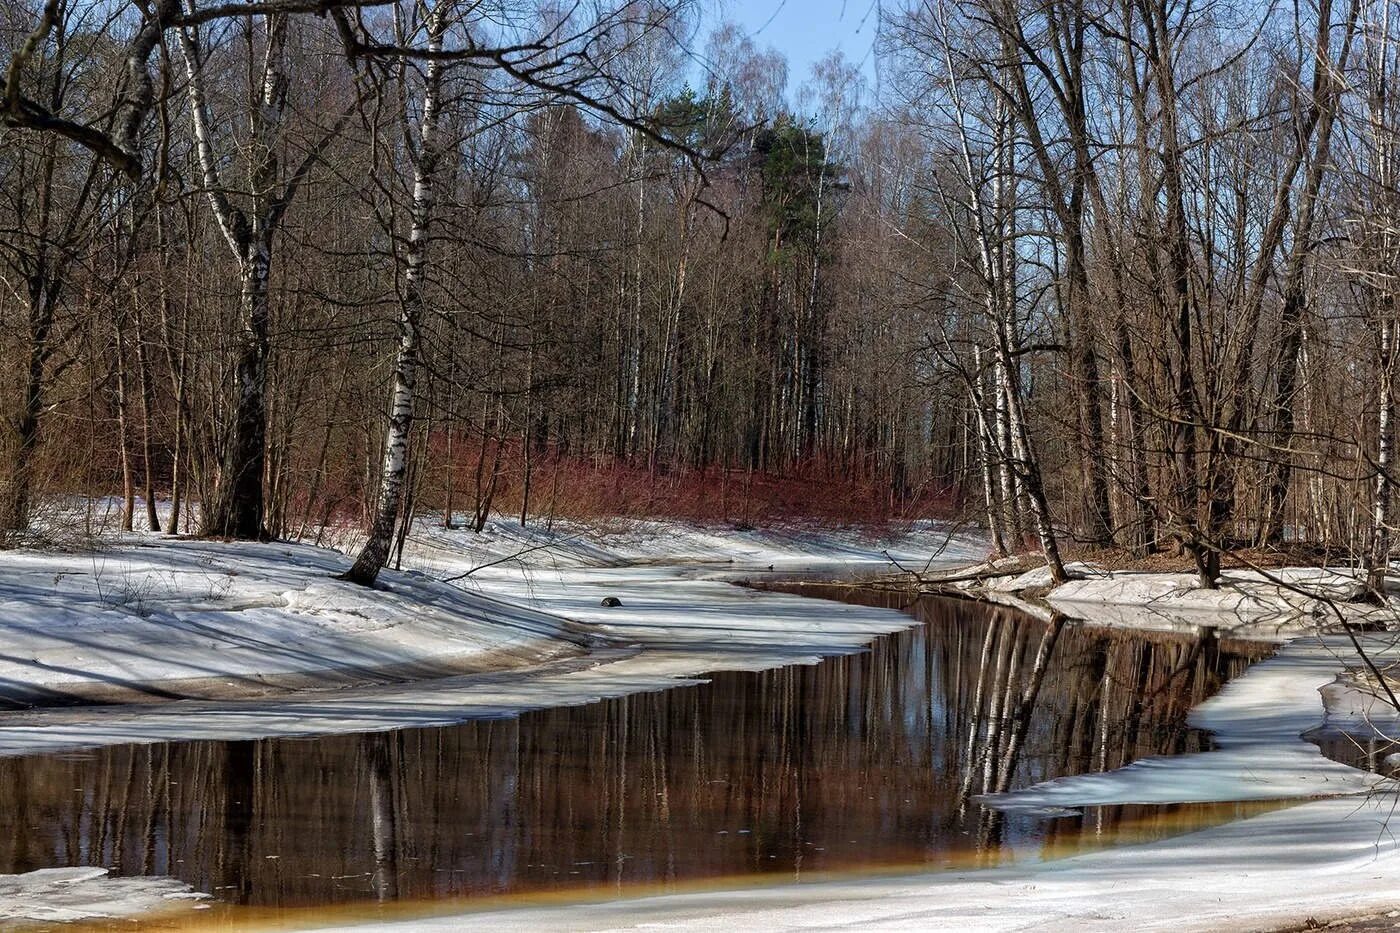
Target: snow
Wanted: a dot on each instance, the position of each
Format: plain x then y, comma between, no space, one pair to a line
64,895
678,619
1245,604
1323,859
150,617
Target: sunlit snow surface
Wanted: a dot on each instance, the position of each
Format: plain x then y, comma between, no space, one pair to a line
678,618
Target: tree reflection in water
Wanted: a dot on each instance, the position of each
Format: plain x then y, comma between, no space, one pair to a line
860,761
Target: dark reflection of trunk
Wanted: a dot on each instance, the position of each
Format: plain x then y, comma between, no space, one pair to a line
975,720
1022,720
16,789
871,758
234,868
383,821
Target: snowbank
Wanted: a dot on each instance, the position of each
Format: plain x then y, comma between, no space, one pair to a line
678,619
155,618
1246,603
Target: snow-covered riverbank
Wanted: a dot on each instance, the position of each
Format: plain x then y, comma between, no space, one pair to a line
1270,604
154,618
523,619
542,592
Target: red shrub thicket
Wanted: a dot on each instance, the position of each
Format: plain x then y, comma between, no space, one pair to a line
589,488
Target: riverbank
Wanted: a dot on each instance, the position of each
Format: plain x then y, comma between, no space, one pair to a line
260,640
1247,602
678,616
146,618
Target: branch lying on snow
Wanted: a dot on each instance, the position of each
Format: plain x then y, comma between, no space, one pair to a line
510,557
1331,604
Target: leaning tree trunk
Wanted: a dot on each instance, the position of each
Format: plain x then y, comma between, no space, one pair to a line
394,470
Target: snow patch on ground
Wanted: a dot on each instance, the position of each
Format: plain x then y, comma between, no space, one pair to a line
1246,603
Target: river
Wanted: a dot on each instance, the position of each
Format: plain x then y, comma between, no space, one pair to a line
864,762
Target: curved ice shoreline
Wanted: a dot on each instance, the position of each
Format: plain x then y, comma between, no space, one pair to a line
1331,857
678,619
1258,721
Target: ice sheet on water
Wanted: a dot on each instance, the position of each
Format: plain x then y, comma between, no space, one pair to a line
66,895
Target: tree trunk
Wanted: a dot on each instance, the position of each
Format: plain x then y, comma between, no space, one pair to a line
394,472
1378,557
236,509
15,509
143,376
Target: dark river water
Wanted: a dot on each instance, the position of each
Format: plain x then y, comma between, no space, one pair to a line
862,762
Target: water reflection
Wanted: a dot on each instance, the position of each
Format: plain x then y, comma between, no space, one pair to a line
860,761
1369,752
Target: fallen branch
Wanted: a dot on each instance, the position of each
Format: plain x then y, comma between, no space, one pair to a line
962,576
510,557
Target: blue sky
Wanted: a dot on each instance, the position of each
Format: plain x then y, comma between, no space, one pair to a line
805,30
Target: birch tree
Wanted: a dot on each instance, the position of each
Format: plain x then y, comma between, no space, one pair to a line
424,151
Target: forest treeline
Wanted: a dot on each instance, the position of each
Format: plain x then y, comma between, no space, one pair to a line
1096,273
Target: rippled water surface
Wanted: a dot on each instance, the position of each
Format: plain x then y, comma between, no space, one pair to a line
866,761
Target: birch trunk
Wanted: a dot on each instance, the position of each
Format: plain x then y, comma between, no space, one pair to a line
1378,558
235,508
394,471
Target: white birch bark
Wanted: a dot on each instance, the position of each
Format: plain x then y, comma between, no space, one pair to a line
394,469
1023,456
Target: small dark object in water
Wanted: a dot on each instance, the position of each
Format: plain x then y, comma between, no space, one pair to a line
612,602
